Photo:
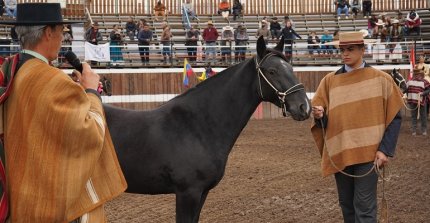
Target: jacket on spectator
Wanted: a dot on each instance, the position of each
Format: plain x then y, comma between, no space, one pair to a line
144,37
189,41
210,34
91,34
415,22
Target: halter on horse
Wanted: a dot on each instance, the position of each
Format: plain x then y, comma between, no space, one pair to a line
182,147
399,80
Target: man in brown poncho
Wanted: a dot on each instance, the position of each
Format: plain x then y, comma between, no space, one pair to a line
357,122
61,165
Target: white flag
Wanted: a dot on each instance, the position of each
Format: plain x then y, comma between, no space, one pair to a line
100,53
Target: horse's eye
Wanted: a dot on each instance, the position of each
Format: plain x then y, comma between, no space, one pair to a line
272,72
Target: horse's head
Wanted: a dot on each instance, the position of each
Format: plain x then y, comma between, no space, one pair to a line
277,83
399,79
107,86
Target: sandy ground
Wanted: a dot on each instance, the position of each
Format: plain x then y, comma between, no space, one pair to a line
273,175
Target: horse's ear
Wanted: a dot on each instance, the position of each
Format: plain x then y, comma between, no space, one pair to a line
280,46
261,47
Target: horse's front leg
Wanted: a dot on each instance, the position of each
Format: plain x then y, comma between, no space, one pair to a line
189,203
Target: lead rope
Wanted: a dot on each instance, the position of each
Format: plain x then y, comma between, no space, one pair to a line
383,217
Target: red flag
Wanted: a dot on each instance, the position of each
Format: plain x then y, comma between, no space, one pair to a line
412,63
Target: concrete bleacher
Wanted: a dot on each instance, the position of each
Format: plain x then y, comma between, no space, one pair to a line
304,24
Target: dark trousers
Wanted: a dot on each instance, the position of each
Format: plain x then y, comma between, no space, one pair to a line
357,196
192,53
144,53
367,8
423,117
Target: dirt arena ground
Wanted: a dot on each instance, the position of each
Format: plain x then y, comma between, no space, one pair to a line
273,176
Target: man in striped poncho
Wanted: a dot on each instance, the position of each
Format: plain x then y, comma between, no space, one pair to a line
356,124
418,89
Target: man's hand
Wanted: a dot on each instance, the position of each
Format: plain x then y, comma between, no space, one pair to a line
317,111
88,79
380,159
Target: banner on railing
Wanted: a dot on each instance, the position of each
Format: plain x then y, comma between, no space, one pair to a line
100,53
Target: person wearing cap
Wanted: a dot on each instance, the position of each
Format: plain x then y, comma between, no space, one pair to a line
275,28
210,36
417,93
264,31
60,160
226,40
356,124
413,23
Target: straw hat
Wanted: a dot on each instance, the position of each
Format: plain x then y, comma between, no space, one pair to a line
350,38
65,29
210,22
227,28
380,22
365,32
394,21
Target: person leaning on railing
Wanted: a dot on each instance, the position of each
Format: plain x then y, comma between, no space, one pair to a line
191,38
144,39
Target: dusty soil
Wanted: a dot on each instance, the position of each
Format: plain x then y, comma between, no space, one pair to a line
273,176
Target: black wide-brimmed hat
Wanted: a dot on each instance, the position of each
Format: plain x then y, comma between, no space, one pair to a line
35,14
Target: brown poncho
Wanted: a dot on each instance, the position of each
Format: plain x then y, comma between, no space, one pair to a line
359,106
61,163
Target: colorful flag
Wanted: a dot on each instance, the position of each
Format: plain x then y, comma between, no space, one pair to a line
188,71
202,77
412,63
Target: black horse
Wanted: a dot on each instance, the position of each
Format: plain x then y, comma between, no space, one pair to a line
182,147
399,80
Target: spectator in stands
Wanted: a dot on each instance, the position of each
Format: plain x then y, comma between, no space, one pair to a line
289,35
413,23
131,28
224,9
401,18
325,39
226,43
188,7
166,41
418,90
210,36
313,39
66,45
92,35
241,39
237,9
10,8
423,66
379,49
144,38
116,41
1,7
342,6
15,41
191,38
159,10
395,33
275,28
286,19
355,7
371,25
367,8
264,31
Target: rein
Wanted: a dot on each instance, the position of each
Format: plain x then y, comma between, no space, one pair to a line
281,95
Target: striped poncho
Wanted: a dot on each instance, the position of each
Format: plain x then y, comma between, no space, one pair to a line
359,106
61,163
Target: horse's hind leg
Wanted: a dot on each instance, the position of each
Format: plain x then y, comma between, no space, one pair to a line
202,202
188,205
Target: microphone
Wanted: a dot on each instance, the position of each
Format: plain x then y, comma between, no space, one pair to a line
73,60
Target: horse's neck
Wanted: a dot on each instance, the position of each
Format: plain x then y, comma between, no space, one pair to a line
223,105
